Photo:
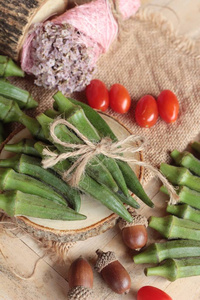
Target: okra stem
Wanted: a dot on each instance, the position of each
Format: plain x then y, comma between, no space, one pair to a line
172,227
10,112
11,180
28,165
22,97
186,195
158,252
75,115
173,269
9,68
196,146
180,176
187,160
89,186
184,211
94,168
25,146
16,203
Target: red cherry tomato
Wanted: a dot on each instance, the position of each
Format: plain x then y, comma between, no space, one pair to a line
97,95
152,293
168,106
120,100
146,112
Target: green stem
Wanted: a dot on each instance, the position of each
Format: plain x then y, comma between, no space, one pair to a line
158,252
25,146
173,269
172,227
187,160
180,176
186,195
22,97
11,180
184,211
94,168
9,68
16,203
196,146
10,112
28,165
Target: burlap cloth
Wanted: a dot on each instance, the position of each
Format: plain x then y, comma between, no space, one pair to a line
148,57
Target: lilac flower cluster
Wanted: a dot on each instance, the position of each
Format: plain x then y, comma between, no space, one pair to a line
60,59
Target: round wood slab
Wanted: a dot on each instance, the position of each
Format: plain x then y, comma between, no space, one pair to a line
99,218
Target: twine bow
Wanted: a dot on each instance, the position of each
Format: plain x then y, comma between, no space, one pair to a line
84,153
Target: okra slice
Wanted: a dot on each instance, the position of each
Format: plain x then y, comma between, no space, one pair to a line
17,203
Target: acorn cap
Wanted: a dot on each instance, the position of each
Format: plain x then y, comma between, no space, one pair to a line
137,220
80,293
104,259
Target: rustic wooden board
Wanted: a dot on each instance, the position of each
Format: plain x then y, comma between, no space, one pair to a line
50,279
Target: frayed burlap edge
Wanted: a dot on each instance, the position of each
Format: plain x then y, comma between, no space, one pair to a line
182,43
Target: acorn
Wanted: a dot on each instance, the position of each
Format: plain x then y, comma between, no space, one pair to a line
134,234
80,279
112,271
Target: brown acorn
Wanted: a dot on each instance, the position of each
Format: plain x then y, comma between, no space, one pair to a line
134,234
113,273
80,280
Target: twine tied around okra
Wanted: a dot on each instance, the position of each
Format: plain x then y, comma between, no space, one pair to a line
85,152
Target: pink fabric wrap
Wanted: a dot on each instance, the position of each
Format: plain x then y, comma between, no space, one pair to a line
95,20
128,8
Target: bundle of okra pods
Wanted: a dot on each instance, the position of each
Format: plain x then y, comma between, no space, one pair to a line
179,256
30,190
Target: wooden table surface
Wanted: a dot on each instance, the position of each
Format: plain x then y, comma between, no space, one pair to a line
19,252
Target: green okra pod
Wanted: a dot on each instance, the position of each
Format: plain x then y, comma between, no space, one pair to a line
96,120
173,269
128,200
133,183
75,115
17,203
172,227
158,252
25,146
94,168
180,176
10,112
184,211
187,160
11,180
22,97
186,195
89,186
105,196
196,146
28,165
9,68
104,130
